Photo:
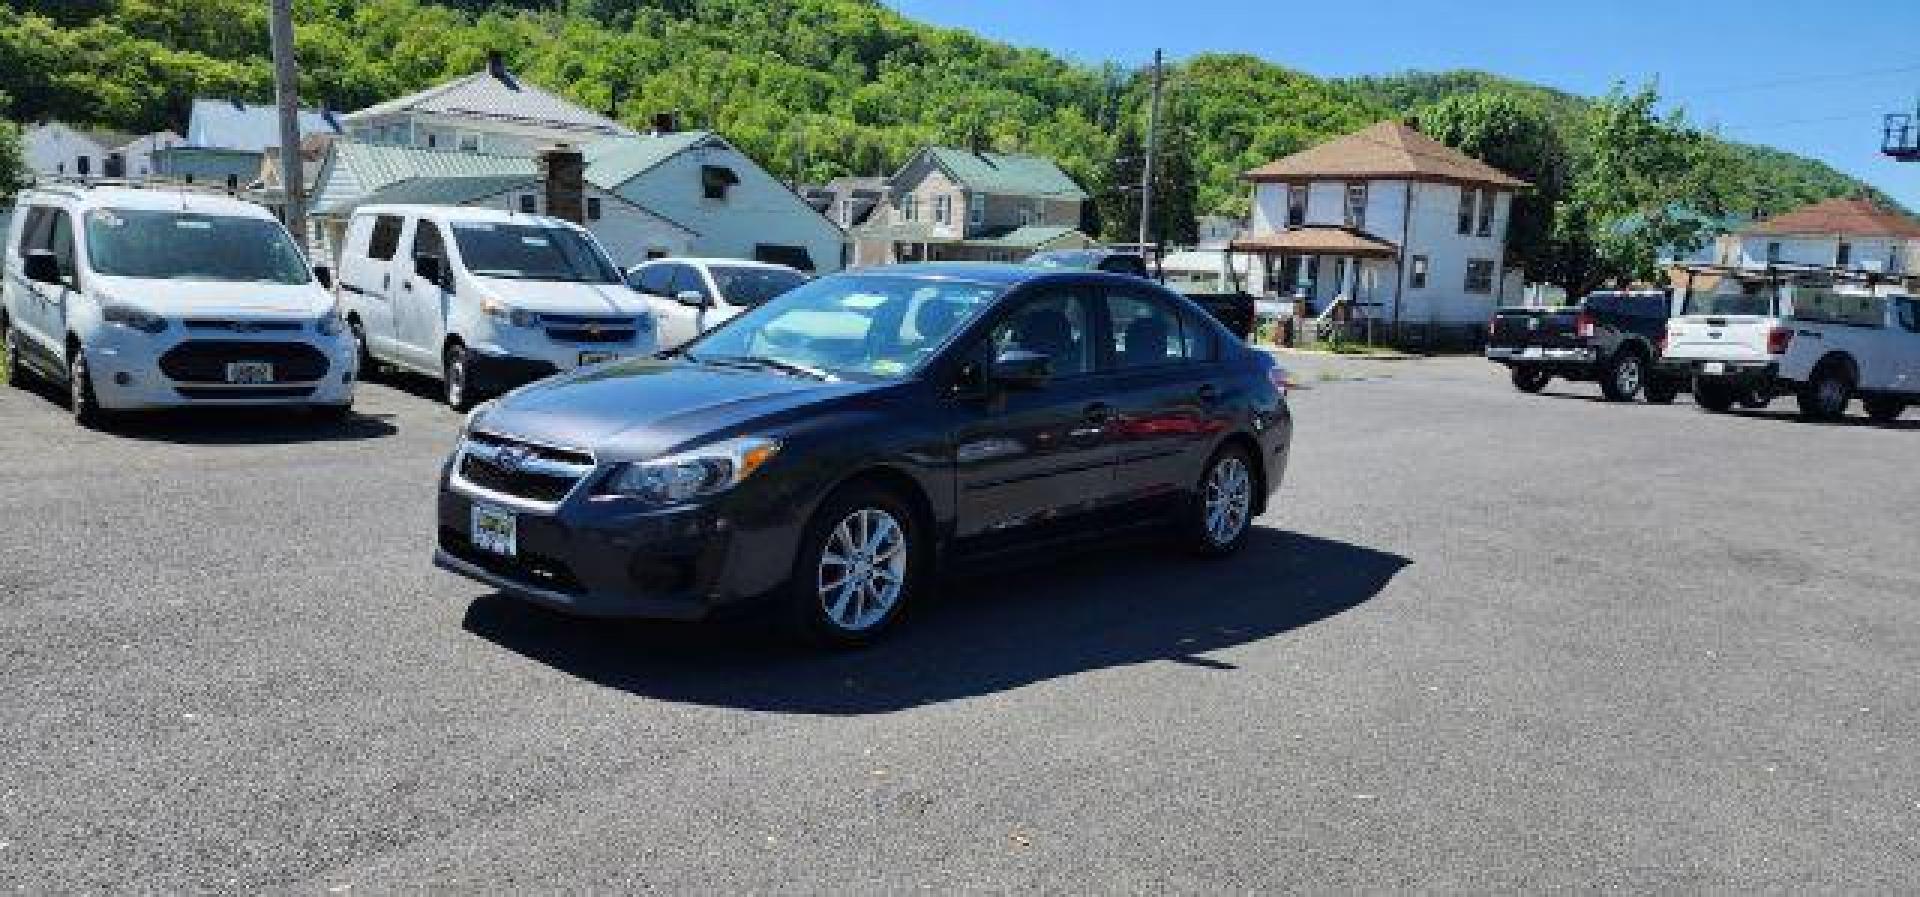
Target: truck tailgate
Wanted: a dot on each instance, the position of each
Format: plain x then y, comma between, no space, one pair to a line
1520,327
1719,338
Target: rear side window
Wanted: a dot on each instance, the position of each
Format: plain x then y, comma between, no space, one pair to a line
1201,337
687,279
33,229
1146,332
386,237
427,240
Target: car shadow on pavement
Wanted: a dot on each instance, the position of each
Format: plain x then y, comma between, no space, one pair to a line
982,635
262,425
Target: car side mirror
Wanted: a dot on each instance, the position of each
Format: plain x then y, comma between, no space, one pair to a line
42,267
324,274
430,268
692,299
1020,369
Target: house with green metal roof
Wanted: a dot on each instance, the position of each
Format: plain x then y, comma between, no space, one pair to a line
973,205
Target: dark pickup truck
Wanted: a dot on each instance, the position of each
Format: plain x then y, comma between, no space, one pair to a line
1615,338
1236,310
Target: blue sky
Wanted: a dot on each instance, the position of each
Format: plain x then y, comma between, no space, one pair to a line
1812,78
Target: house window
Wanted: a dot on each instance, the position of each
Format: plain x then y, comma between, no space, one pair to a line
943,209
1844,257
1773,253
656,254
976,209
529,204
909,208
593,208
83,166
1479,276
1485,229
1466,210
1296,205
1029,215
1417,273
1357,205
715,180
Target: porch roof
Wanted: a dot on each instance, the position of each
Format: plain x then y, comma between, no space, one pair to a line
1317,240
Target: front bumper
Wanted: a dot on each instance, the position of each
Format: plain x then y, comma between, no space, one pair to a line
605,559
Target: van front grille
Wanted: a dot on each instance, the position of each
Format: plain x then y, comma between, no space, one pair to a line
205,361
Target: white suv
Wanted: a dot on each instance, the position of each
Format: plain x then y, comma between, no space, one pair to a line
692,296
146,299
484,299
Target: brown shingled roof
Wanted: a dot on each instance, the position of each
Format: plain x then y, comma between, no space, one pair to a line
1849,217
1385,150
1318,239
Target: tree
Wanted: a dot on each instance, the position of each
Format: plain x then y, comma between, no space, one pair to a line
1517,135
13,164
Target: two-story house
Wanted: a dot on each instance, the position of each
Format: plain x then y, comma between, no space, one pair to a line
951,204
1857,234
1411,233
491,111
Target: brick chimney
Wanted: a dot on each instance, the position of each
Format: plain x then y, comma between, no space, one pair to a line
563,175
497,64
665,122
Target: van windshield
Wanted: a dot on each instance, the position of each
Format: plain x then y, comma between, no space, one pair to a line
170,245
531,252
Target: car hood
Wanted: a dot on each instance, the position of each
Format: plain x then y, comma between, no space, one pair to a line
215,299
641,408
564,298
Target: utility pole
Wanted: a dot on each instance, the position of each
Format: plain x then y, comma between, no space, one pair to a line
286,84
1146,170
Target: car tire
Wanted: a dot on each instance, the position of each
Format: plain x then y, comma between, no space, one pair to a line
81,401
1527,379
1827,395
14,365
1712,395
1623,377
861,561
1884,410
363,354
455,372
1662,390
1220,513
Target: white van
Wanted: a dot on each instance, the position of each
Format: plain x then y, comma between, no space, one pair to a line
484,299
147,299
692,296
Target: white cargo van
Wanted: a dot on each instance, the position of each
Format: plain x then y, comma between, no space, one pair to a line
135,298
483,299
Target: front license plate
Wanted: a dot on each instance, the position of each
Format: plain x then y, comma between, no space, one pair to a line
249,372
1713,367
1532,352
495,530
587,358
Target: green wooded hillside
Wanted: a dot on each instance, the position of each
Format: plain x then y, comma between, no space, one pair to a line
813,88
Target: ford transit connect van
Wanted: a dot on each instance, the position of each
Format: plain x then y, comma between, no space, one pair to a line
147,299
485,300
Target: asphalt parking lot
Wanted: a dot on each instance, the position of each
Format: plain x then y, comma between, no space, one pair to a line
1484,640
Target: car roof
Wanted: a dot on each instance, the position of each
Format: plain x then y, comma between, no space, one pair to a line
463,213
135,199
734,263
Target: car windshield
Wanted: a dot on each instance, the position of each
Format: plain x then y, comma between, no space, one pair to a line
531,252
1730,304
172,245
753,286
865,326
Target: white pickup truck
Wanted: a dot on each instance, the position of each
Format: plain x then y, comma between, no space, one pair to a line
1847,343
1825,345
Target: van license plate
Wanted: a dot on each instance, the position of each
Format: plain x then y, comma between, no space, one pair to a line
1713,368
495,530
249,372
587,358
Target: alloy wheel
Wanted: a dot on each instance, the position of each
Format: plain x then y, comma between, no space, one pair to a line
1833,396
1229,498
862,569
1628,378
456,377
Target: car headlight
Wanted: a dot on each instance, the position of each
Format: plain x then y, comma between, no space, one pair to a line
499,311
137,318
695,474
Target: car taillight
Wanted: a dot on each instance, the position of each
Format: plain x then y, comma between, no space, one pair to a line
1282,380
1778,339
1660,345
1583,325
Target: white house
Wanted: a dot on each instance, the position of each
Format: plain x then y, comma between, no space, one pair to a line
490,111
1411,232
56,149
1842,233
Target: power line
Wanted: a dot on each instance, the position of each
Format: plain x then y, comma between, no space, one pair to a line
1806,79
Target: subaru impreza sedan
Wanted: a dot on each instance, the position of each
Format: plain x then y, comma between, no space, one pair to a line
831,451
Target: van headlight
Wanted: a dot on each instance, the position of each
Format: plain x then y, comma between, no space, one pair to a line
695,474
499,311
136,318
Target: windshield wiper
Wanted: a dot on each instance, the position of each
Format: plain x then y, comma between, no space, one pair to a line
761,361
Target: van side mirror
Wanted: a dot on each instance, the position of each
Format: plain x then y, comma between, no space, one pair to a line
692,299
42,267
430,268
324,274
1020,369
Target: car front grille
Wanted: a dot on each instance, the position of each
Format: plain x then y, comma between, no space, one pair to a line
205,361
578,329
521,469
231,326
